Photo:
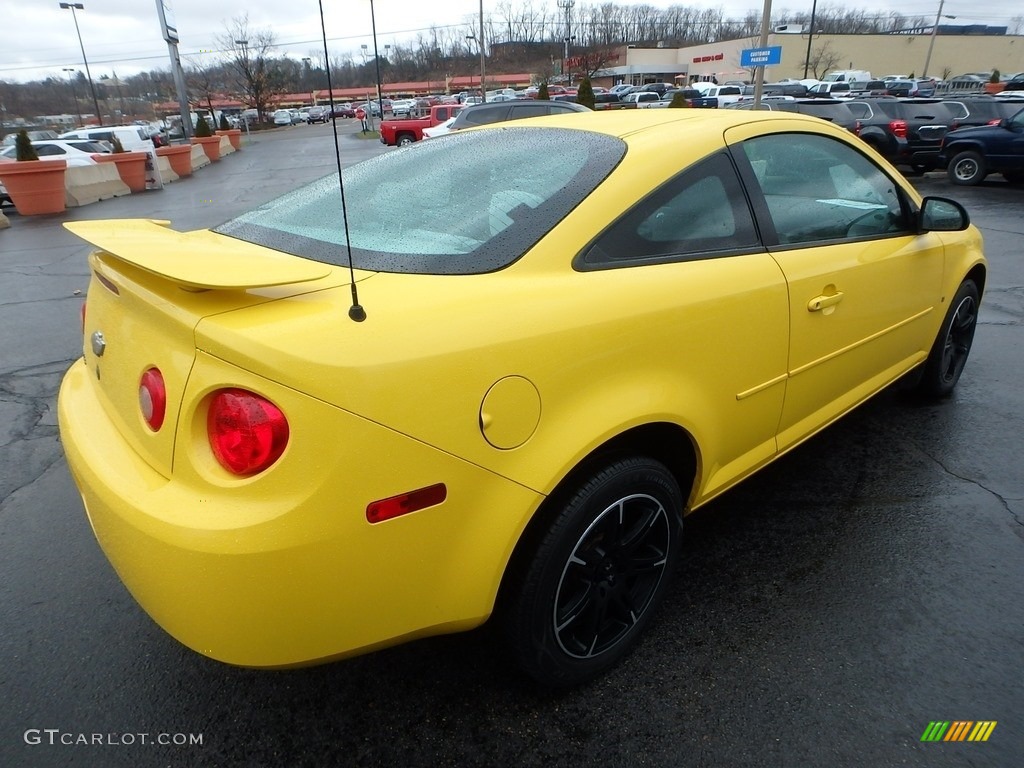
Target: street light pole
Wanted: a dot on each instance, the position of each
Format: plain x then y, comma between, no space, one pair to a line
483,74
88,74
931,43
810,37
74,96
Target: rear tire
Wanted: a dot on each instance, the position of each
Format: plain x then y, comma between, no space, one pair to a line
967,168
949,353
405,140
586,593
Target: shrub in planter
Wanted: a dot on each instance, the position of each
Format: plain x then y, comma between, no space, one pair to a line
35,186
585,94
203,128
23,147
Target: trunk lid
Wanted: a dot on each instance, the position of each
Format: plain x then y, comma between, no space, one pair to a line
150,288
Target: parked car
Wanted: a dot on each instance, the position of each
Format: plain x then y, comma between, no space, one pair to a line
980,109
341,110
834,111
282,117
907,132
133,138
971,154
75,153
318,114
10,138
294,484
502,111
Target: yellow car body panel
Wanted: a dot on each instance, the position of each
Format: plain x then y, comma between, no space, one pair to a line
286,569
497,385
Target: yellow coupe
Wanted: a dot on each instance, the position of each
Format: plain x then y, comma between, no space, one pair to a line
492,375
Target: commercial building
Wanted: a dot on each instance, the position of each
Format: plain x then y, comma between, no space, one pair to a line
904,53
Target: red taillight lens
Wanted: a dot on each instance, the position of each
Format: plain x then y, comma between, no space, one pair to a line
857,127
247,432
898,128
997,121
153,398
396,506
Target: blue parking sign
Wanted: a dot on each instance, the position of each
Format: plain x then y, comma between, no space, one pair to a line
761,57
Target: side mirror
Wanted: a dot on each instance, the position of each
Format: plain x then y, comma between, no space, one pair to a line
940,214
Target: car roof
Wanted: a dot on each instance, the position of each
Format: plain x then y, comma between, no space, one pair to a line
638,125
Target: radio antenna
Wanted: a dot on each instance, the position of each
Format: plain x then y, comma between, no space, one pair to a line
356,311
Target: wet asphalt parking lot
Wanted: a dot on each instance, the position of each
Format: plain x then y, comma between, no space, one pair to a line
828,610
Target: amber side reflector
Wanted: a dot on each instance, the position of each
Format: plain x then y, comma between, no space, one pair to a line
396,506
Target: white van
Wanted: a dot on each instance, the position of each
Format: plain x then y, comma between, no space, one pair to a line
134,138
847,76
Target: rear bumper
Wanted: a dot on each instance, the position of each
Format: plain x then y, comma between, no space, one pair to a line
286,570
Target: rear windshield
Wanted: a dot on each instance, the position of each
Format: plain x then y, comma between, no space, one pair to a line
466,203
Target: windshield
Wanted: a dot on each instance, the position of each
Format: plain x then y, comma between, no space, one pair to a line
458,204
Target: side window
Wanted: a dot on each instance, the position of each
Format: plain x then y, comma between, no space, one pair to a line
860,110
699,214
48,150
818,188
492,114
521,111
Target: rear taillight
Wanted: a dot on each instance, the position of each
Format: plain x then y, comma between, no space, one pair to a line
997,121
247,432
857,127
954,125
153,398
898,128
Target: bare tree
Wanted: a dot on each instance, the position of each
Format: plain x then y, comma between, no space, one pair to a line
257,76
822,59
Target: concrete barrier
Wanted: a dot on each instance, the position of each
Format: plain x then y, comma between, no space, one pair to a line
226,147
199,158
86,184
166,173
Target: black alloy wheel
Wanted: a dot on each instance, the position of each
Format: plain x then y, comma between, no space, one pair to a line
598,574
949,353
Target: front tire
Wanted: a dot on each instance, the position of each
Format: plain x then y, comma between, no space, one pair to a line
967,168
949,353
598,573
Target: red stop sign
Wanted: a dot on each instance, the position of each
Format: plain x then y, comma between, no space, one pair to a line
360,113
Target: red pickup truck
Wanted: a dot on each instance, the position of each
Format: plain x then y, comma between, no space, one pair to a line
402,132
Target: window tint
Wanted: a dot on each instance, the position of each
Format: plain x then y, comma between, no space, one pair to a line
818,188
698,214
860,110
487,115
44,150
521,111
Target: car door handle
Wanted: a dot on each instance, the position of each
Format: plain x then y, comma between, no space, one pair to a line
819,303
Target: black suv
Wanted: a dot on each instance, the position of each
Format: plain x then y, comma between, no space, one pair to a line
970,154
981,109
834,110
500,111
906,132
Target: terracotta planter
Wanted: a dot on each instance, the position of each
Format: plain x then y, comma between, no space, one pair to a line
35,186
234,136
180,158
994,87
131,167
210,145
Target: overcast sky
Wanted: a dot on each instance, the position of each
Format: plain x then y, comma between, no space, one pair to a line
37,37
